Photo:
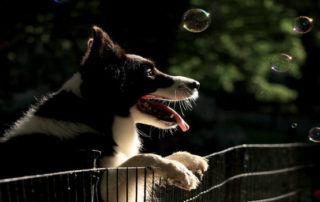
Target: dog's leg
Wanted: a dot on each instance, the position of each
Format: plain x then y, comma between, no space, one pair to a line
171,170
197,164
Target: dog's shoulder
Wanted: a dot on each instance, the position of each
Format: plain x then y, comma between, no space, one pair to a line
36,153
55,134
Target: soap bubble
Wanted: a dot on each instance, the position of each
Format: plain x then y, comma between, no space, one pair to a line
196,20
302,24
294,125
281,63
61,1
314,134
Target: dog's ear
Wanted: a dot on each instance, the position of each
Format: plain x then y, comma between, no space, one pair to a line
102,46
101,41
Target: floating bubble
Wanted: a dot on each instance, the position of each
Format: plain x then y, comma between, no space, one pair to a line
61,1
196,20
314,134
281,63
294,125
302,24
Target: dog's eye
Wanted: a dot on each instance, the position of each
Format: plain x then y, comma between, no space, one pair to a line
150,73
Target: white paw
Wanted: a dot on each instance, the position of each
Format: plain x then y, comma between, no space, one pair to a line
178,175
197,164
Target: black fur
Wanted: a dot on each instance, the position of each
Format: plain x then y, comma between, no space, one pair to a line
112,83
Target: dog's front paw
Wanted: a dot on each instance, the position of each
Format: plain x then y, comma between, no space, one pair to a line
197,164
178,175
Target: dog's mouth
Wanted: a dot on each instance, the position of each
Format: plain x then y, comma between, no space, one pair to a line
152,105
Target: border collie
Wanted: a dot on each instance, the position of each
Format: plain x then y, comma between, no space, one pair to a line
98,109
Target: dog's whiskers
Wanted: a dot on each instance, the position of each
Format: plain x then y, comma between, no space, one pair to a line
140,132
186,103
170,130
175,97
179,102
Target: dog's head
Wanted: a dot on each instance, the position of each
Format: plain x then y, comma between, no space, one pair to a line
131,85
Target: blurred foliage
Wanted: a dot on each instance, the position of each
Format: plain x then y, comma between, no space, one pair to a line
40,49
234,54
242,100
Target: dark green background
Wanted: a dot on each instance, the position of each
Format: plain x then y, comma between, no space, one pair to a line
241,99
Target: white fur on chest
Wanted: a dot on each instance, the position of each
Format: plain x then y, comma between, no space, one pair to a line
127,141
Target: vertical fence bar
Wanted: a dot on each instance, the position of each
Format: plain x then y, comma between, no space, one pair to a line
69,189
107,185
62,188
24,195
152,188
117,184
39,189
17,194
32,190
136,184
92,186
84,193
1,197
9,192
173,193
54,189
159,189
96,185
127,185
75,187
48,189
145,185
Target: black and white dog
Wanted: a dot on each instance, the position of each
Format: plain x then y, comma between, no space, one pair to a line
98,109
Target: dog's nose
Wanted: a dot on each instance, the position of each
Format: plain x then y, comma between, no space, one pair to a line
194,84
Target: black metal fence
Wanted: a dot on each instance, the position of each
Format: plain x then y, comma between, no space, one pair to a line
255,173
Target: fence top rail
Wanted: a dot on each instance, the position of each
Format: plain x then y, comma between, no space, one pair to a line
140,168
68,173
261,146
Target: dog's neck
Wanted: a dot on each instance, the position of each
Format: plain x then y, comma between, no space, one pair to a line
125,134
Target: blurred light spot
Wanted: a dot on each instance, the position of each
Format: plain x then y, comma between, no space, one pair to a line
294,125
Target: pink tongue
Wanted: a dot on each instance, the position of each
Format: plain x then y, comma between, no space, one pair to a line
181,123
